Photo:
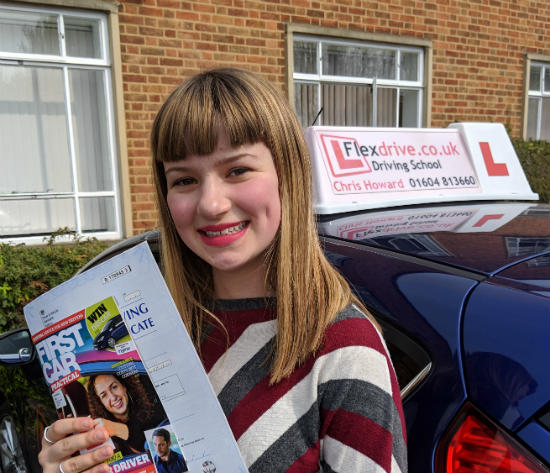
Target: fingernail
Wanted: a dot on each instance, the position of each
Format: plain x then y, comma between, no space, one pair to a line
100,435
87,423
103,468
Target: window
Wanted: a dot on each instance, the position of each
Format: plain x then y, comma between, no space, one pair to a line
538,101
357,83
526,246
56,125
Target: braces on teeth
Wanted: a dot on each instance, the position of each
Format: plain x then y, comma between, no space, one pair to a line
227,231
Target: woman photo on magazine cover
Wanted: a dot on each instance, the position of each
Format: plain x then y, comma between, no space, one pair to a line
125,409
297,362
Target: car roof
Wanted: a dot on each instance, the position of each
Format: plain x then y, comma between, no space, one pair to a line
479,237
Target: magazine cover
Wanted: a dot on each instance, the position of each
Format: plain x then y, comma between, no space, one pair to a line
112,346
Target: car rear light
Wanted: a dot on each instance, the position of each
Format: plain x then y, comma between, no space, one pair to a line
474,444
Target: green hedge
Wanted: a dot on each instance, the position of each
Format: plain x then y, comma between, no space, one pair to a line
535,159
25,273
28,271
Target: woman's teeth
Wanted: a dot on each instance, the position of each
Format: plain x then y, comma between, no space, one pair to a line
227,231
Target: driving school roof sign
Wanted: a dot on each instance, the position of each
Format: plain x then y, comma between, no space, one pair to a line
362,168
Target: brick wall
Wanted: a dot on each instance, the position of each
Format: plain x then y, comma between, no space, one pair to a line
478,55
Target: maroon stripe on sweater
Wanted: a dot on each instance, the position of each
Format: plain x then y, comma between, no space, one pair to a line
374,442
308,462
235,322
352,331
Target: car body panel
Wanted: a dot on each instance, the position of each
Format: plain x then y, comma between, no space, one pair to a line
507,353
537,437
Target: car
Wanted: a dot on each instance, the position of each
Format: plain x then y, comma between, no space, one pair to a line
466,316
15,348
461,290
113,330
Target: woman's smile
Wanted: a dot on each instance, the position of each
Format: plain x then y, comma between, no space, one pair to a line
223,234
117,403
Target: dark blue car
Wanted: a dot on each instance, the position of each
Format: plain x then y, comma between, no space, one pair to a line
113,330
463,293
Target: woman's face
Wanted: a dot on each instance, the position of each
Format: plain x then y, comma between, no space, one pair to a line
226,205
112,394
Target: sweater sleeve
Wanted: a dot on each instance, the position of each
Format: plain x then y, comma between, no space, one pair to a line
362,425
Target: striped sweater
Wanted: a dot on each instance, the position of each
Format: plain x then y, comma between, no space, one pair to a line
338,412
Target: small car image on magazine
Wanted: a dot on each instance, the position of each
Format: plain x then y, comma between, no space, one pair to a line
112,331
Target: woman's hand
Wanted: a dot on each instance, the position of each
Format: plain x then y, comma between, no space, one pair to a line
58,446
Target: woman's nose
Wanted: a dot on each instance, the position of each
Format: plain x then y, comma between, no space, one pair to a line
213,199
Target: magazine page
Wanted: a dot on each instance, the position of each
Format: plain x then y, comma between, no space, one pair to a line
112,345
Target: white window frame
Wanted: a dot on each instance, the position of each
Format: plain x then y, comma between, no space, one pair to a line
64,63
335,36
534,60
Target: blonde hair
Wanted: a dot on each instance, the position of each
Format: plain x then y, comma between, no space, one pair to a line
309,291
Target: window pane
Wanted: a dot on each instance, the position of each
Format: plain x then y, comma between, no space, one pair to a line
547,79
33,131
343,60
408,108
532,118
346,105
356,61
82,37
34,217
534,78
90,130
381,63
305,57
545,119
98,214
409,66
306,103
386,101
22,32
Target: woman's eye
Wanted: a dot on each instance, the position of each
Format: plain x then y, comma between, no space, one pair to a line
183,181
238,171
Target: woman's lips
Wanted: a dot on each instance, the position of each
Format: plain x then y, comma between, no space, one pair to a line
117,404
223,234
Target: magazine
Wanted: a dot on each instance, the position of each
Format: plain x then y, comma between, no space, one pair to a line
112,346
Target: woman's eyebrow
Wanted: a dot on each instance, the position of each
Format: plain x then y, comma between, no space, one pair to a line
221,161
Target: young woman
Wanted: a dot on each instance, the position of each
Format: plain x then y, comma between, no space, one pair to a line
125,409
298,365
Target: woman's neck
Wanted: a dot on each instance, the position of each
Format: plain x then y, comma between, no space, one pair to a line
243,283
122,417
